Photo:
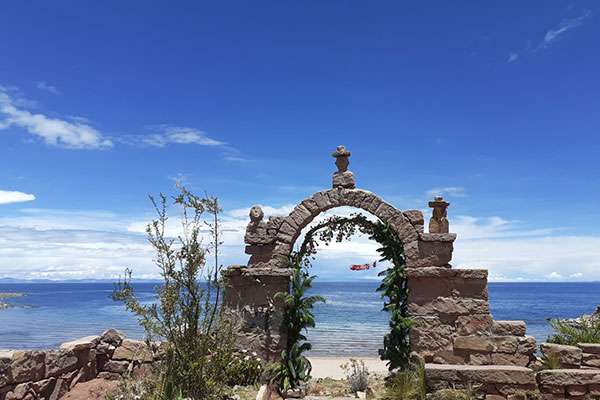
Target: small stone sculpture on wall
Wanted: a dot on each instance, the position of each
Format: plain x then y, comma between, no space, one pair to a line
439,219
343,178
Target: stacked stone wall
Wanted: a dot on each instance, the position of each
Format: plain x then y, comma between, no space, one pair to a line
453,324
49,374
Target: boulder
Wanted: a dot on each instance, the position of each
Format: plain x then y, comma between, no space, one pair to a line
27,366
84,343
112,336
5,361
133,350
60,362
118,367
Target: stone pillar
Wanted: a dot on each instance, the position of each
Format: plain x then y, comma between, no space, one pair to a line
249,300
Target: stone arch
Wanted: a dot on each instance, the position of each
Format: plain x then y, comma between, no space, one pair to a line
270,243
407,225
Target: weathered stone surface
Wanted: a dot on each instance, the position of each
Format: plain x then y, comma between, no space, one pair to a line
59,362
433,253
480,359
44,387
566,377
569,356
450,306
576,390
415,217
514,328
5,361
344,180
481,374
133,350
521,360
429,283
22,391
527,345
486,344
590,360
591,348
473,324
429,336
27,366
80,344
118,367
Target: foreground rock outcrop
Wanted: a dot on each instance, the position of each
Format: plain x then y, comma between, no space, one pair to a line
51,374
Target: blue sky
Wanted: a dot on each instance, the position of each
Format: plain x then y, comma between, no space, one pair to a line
496,106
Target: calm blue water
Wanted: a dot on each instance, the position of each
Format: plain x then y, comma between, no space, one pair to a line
349,324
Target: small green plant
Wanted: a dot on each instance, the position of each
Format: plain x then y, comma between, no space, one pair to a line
571,332
357,375
244,369
406,384
294,368
551,361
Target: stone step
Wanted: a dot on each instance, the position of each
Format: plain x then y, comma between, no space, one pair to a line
499,380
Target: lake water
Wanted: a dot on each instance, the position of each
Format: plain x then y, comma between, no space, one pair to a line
351,323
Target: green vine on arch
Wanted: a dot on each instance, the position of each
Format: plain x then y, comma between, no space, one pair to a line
294,368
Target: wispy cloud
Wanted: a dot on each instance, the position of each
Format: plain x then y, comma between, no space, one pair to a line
53,131
63,244
168,134
563,27
512,57
8,197
455,191
42,85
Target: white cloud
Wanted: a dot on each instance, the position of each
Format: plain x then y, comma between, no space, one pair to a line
512,57
179,135
54,131
7,197
42,85
565,25
455,191
98,244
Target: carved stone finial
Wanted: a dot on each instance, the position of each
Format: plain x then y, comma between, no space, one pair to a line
256,215
439,218
343,178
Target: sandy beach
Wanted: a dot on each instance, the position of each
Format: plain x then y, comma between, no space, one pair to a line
330,367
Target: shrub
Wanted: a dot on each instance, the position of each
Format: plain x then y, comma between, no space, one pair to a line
571,332
245,369
407,384
199,342
357,375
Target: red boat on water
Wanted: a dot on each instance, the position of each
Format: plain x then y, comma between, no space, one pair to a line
362,267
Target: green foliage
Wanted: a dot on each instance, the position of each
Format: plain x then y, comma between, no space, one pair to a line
571,332
245,369
199,343
394,287
406,384
357,375
551,361
294,368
